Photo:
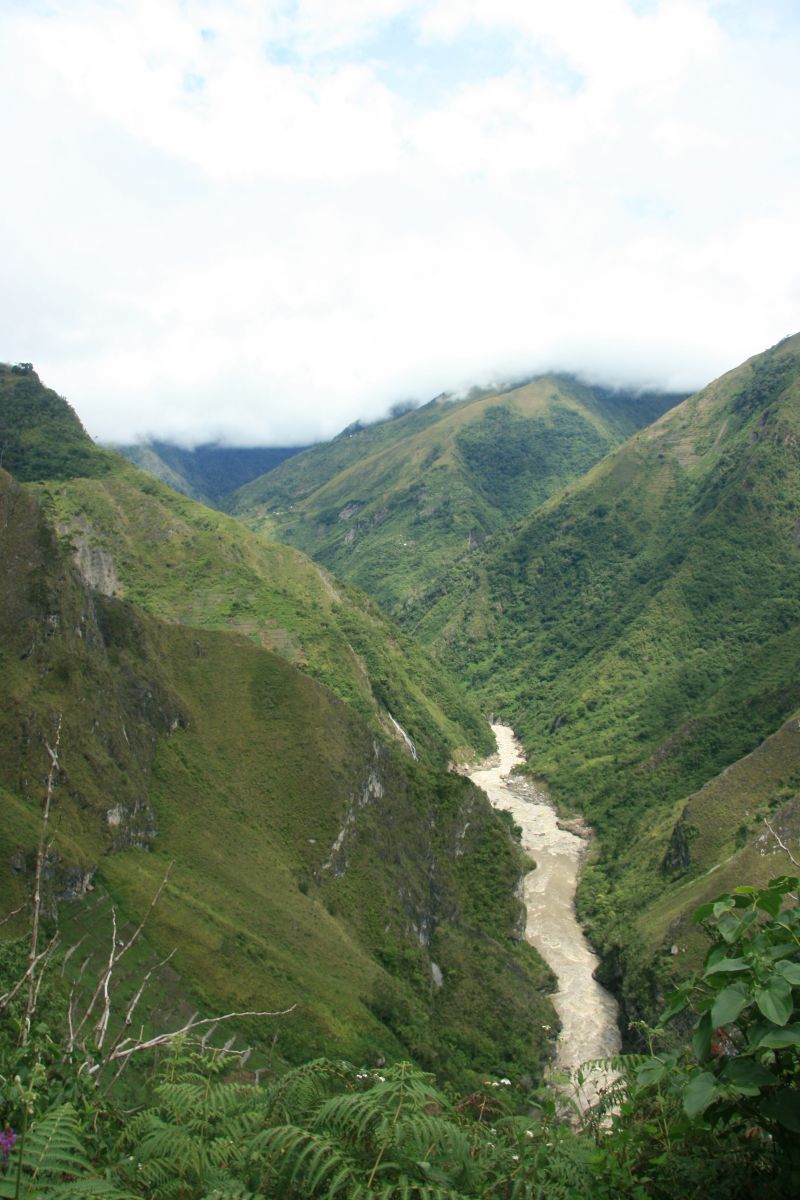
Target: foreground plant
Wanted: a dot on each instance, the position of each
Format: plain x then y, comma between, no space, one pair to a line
725,1112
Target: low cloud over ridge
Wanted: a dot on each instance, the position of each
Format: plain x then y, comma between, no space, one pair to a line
261,221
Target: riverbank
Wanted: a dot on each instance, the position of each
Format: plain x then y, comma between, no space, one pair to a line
588,1013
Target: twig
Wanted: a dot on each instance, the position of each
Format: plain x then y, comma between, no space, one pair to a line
132,1006
124,1050
42,957
782,845
12,914
37,885
103,982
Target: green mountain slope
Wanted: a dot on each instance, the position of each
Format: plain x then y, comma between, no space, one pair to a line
315,862
137,539
642,629
207,472
392,505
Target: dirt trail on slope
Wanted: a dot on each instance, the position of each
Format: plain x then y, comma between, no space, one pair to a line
588,1013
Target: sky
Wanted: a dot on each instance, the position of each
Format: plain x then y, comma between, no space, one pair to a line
257,221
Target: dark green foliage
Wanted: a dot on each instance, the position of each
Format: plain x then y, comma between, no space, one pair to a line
723,1113
40,435
715,1119
642,633
517,462
392,506
206,472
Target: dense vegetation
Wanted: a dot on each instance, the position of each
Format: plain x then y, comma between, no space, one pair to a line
720,1118
40,435
315,863
391,506
229,708
209,471
642,632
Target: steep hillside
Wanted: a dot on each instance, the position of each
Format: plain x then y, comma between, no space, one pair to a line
315,862
207,472
642,629
136,539
392,505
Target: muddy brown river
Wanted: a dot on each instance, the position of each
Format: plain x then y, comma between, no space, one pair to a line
588,1013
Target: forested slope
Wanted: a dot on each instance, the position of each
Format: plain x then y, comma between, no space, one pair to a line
392,505
314,862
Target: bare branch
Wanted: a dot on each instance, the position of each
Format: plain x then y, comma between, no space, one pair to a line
134,937
132,1006
102,1024
42,958
12,914
33,955
69,953
782,845
124,1050
115,956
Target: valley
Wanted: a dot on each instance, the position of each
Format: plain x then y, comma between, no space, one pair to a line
284,709
588,1014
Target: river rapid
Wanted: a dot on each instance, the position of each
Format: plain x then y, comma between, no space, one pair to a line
588,1014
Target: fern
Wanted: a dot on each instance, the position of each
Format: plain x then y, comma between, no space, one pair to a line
298,1093
54,1165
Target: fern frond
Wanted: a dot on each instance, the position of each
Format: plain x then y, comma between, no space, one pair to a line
307,1161
297,1093
54,1144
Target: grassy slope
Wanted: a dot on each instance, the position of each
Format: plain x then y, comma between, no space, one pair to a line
182,562
642,630
202,744
391,506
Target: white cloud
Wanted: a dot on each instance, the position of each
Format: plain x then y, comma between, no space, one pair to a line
231,218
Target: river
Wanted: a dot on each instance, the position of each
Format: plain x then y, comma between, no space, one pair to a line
588,1013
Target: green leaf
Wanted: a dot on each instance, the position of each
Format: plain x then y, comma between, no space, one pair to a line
779,1039
727,964
728,1004
701,1042
789,971
775,1000
783,1107
729,927
770,901
700,1091
702,913
650,1072
676,1003
747,1073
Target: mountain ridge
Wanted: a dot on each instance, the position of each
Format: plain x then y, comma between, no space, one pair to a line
390,506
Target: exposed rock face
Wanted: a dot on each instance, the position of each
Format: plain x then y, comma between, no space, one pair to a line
64,626
372,790
96,566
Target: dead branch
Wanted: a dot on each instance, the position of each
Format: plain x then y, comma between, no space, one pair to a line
104,981
124,1050
40,959
102,1024
12,914
128,1021
33,955
782,844
69,953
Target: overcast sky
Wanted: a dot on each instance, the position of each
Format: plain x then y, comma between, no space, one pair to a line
262,219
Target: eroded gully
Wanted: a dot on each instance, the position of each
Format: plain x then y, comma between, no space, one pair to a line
587,1012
